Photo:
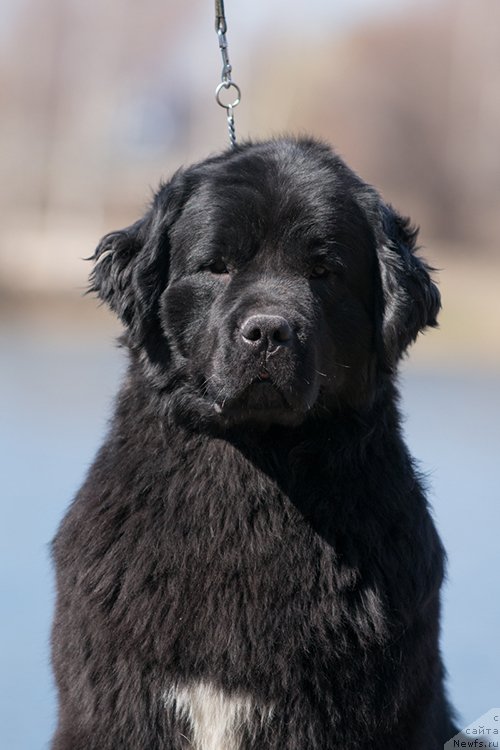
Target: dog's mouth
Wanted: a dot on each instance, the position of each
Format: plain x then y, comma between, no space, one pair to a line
263,400
261,393
264,393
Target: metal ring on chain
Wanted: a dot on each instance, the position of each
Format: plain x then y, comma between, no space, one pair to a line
227,85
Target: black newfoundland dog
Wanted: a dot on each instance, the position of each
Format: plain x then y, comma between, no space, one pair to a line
251,563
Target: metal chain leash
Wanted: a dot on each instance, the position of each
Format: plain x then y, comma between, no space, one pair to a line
227,82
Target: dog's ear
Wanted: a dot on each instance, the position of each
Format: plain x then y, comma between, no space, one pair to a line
410,299
131,265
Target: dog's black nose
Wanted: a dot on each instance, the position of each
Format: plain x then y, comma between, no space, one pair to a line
269,332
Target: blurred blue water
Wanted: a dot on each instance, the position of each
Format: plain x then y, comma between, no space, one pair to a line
56,396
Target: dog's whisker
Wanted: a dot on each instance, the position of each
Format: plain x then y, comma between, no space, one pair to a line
216,399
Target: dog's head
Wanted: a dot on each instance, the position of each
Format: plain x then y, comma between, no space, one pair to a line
265,284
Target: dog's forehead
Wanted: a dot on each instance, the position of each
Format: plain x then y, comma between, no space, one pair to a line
281,183
283,197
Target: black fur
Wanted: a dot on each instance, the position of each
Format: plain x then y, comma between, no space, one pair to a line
254,520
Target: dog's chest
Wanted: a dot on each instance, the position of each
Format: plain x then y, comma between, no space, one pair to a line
216,719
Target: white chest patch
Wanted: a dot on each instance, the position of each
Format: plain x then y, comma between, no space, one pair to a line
216,718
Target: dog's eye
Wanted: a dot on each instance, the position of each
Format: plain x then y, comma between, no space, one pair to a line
319,271
217,266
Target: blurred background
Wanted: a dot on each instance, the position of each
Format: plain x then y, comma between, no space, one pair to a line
98,102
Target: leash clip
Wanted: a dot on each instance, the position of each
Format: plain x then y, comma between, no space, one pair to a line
226,80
